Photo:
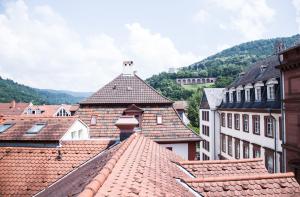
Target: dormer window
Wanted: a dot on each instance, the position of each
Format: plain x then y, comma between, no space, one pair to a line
271,88
93,120
62,112
231,95
36,128
257,94
238,96
247,95
224,98
5,126
159,119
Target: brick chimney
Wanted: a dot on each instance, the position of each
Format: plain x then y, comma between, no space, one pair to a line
12,104
128,68
126,124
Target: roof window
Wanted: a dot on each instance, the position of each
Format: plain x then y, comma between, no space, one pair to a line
4,127
36,128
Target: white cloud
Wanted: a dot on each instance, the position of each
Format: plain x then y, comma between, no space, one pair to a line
201,16
222,47
296,4
38,48
251,18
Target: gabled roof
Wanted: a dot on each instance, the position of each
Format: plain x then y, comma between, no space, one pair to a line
216,168
26,171
127,89
213,97
255,74
50,110
12,108
53,130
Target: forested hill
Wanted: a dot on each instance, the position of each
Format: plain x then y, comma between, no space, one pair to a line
11,90
225,65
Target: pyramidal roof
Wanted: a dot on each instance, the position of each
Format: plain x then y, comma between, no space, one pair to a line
127,89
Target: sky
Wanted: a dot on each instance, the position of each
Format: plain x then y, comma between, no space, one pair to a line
80,45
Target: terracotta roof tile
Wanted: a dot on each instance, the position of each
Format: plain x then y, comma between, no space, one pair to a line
140,168
126,89
216,168
54,129
50,110
9,109
26,171
172,127
279,184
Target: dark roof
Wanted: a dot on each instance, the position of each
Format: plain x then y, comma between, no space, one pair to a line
126,89
254,74
53,130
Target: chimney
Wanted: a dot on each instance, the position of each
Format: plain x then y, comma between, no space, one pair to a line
13,104
128,68
126,124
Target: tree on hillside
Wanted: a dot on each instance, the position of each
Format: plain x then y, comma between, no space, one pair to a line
193,107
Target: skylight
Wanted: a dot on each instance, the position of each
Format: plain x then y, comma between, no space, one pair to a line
4,127
36,128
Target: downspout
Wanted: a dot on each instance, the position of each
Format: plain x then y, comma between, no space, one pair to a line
214,134
283,122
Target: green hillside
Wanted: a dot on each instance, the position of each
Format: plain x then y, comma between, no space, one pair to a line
11,90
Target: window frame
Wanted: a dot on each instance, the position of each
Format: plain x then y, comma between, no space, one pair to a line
254,128
159,119
271,92
237,148
256,148
229,145
229,122
246,146
223,119
258,96
267,124
223,139
247,93
6,128
36,128
245,117
237,119
95,118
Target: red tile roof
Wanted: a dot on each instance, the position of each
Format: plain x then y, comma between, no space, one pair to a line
54,129
12,109
180,105
171,129
139,168
51,110
26,171
215,168
279,184
127,89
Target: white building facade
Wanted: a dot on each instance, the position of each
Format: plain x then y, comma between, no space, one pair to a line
209,123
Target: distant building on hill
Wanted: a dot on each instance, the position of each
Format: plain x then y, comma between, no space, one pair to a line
188,81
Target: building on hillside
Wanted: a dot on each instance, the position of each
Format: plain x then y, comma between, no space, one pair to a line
51,110
140,167
127,94
181,108
38,131
13,108
290,74
250,116
209,124
199,80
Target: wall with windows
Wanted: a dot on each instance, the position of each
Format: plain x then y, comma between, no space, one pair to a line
180,149
78,131
253,137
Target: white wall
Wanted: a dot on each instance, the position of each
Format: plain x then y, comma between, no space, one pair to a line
76,127
181,149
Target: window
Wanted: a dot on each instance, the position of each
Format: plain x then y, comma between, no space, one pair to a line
247,95
74,135
36,128
230,97
271,92
280,128
205,115
94,120
223,120
269,126
258,94
159,119
238,96
205,145
245,123
224,98
269,160
80,134
62,112
229,120
256,151
5,126
256,124
237,148
205,157
237,121
245,150
223,139
229,144
205,130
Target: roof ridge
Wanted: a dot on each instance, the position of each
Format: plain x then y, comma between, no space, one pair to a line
240,177
171,101
220,161
92,188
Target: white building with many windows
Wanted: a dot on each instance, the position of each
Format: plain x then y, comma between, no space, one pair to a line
250,116
209,123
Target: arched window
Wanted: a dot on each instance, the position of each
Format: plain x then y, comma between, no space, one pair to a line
62,112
